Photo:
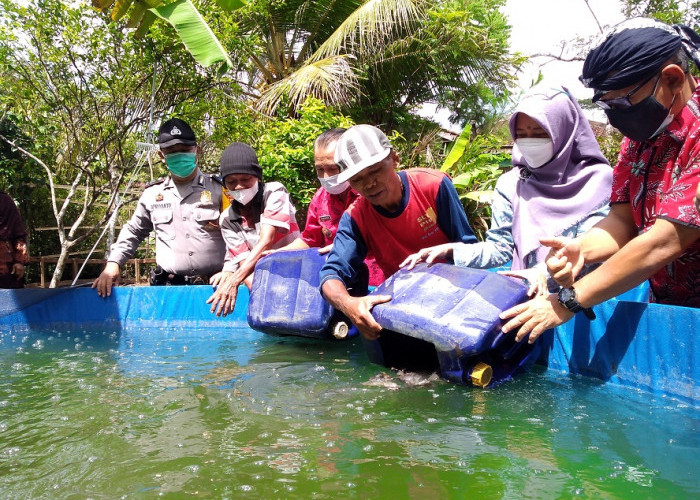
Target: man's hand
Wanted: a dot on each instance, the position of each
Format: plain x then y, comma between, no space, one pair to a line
223,300
535,316
564,261
218,277
429,255
108,278
358,310
18,270
535,278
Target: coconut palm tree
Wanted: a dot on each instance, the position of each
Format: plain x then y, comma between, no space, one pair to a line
377,56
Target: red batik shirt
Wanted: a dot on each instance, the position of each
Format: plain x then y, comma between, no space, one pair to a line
659,179
322,220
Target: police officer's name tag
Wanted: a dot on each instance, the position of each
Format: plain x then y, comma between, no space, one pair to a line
156,206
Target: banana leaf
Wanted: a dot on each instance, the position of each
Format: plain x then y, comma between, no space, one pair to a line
120,9
194,32
458,149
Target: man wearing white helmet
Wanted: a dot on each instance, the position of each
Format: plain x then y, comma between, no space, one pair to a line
397,214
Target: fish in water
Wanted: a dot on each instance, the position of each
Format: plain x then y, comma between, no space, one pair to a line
416,379
383,380
410,379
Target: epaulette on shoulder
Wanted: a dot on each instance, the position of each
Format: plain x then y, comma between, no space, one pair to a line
155,181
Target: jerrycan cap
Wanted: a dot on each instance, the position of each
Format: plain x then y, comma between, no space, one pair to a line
340,330
481,374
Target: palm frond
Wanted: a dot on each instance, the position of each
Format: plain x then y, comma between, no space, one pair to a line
333,80
371,26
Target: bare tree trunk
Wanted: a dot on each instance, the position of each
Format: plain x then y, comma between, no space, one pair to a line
60,265
111,232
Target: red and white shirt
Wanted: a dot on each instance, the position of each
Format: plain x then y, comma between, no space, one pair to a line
241,233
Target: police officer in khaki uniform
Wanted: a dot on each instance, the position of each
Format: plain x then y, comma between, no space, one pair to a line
183,210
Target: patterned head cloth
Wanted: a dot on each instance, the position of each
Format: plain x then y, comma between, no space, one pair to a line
635,50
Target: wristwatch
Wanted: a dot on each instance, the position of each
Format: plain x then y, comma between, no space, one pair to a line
567,298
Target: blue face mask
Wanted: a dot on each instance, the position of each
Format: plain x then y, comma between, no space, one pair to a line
181,164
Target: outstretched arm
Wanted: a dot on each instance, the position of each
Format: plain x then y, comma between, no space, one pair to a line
635,262
567,257
223,300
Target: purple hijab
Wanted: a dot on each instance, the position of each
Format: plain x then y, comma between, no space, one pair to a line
561,193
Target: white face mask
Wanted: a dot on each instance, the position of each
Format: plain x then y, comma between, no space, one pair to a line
332,185
244,196
536,150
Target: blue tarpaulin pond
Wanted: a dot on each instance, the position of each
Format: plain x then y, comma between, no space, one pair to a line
147,394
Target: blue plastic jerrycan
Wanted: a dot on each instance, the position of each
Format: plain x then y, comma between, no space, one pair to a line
446,318
285,298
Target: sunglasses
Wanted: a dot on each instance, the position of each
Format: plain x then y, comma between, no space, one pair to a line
624,101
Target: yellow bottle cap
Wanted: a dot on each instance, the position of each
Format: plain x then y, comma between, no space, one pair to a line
481,374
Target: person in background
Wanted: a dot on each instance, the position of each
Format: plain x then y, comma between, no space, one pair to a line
329,203
14,255
260,217
183,209
397,214
641,78
560,186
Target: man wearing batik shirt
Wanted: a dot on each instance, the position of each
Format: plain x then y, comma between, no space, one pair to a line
13,244
261,217
641,78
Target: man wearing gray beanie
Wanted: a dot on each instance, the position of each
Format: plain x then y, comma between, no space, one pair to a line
260,217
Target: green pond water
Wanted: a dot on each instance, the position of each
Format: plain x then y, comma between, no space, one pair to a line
237,414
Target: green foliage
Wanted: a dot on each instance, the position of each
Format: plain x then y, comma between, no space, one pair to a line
284,146
475,164
668,11
79,89
458,57
195,33
610,145
375,60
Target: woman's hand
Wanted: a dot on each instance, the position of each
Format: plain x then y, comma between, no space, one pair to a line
536,279
429,255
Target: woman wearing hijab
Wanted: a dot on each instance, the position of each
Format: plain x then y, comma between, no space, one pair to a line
641,76
560,185
13,244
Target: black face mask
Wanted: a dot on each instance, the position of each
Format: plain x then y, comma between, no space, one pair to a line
641,121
